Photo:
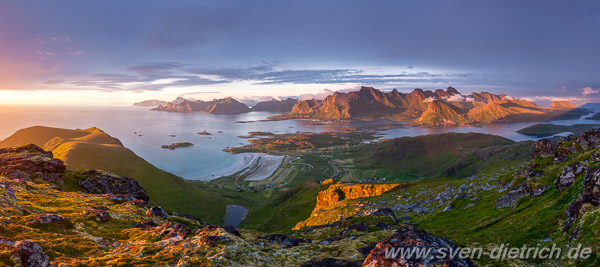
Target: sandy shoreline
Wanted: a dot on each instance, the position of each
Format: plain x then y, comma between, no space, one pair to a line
267,165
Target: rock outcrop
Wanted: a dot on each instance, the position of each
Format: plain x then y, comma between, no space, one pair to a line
567,177
30,161
411,238
338,192
107,183
589,195
512,196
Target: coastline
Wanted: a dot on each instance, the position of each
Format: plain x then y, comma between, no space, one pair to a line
266,166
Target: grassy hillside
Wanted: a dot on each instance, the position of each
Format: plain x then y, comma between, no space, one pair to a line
440,155
283,212
464,210
94,149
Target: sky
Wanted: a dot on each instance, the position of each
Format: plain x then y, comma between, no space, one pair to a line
108,52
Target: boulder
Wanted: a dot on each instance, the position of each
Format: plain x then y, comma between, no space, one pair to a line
29,161
156,211
544,148
51,219
589,139
512,196
100,213
412,238
170,230
568,176
31,254
108,183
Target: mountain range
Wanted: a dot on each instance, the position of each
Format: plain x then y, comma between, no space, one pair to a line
420,106
223,106
426,107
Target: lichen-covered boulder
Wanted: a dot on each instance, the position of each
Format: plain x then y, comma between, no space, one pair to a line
26,162
51,219
107,183
31,254
412,238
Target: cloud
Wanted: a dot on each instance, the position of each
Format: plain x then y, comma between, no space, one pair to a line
53,46
270,73
588,91
156,76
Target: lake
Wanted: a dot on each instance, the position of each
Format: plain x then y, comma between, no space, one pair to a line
144,132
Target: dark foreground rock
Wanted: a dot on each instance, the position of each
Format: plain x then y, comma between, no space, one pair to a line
28,252
411,238
30,161
108,183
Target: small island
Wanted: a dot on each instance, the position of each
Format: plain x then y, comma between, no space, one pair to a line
548,129
177,145
204,133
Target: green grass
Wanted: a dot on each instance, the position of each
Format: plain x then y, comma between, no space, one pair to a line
284,211
443,155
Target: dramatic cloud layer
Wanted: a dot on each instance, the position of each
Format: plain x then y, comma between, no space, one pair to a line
277,48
